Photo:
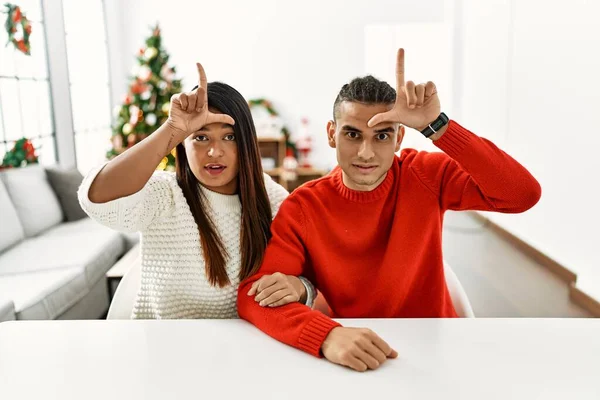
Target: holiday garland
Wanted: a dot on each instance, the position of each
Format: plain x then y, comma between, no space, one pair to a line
18,28
267,105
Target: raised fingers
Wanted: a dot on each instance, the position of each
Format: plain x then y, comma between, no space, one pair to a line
411,94
202,81
430,89
420,92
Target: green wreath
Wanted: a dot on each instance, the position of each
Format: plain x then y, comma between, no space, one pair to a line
266,104
18,28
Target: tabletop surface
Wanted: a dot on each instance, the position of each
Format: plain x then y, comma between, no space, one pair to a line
439,359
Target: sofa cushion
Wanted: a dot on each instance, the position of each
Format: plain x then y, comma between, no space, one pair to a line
84,243
7,310
33,198
44,294
11,230
65,183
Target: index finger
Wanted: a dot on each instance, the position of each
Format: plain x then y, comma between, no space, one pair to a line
202,82
400,68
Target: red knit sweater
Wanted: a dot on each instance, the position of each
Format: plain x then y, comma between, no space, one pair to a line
378,254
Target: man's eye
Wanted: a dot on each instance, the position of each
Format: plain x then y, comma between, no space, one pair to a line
200,138
383,136
230,137
352,135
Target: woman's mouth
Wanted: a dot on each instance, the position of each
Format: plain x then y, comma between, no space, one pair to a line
214,169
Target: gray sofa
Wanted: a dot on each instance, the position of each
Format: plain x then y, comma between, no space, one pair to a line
51,268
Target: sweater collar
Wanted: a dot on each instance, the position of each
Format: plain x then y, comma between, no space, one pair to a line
364,197
221,202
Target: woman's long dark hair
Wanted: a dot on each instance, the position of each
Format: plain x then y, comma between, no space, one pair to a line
256,209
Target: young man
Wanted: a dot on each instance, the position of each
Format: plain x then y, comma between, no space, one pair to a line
369,235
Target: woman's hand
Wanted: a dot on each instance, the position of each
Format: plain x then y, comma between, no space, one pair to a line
189,111
277,290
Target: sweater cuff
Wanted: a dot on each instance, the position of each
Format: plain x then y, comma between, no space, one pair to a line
455,140
314,333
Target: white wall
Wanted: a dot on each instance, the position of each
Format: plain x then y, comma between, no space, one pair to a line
430,49
297,54
531,84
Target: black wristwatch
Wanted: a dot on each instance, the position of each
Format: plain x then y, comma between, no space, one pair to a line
436,125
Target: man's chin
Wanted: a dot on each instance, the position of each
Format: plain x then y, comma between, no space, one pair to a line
364,182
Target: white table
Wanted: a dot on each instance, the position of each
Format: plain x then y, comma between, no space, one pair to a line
210,359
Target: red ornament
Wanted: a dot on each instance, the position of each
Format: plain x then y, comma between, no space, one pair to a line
138,87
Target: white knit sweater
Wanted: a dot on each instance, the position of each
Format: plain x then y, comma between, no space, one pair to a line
174,284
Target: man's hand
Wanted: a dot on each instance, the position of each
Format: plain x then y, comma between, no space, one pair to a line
416,105
357,348
277,290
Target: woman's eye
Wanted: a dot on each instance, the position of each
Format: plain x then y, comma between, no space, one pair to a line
383,136
230,137
200,138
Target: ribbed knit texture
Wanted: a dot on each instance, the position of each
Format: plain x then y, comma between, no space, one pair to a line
378,254
174,283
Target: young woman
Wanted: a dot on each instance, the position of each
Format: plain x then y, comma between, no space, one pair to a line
204,228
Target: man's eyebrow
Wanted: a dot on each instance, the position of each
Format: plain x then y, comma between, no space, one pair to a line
350,128
389,129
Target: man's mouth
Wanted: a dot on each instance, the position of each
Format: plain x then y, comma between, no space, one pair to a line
365,168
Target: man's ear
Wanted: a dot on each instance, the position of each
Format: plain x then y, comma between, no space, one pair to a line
399,137
331,133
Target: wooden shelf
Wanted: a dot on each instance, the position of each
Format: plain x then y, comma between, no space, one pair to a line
275,148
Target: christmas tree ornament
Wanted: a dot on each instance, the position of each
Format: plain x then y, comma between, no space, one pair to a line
117,142
131,139
150,53
151,119
134,115
144,73
127,128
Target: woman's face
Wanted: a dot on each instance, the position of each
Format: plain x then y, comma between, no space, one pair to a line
212,154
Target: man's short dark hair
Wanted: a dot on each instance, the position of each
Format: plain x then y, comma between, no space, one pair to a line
366,90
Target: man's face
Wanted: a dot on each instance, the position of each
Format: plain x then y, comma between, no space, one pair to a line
364,154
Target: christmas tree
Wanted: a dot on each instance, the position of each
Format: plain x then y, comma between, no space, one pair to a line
146,104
